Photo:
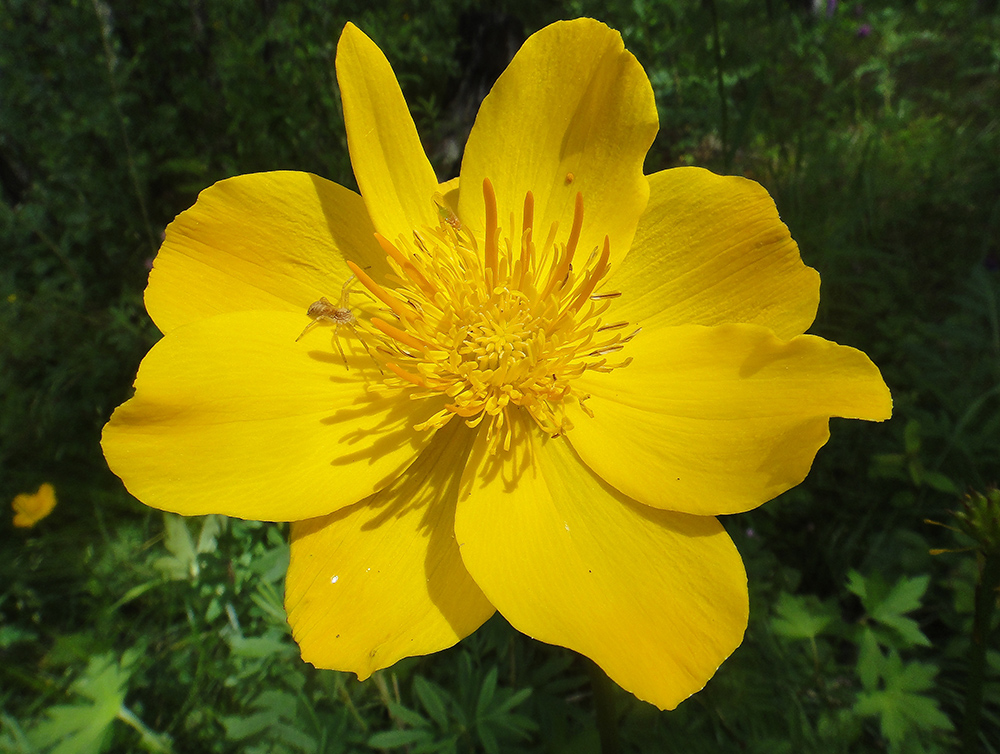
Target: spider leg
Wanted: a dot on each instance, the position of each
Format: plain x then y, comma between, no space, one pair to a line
345,293
336,339
370,354
308,327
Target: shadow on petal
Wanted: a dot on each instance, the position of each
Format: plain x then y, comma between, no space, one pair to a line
383,579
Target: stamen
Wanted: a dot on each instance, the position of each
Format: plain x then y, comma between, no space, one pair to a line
492,333
408,267
595,276
378,292
396,334
402,373
565,265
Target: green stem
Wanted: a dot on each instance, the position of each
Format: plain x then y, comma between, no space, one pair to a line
604,708
982,622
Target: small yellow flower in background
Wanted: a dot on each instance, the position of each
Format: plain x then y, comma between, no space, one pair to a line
530,389
30,509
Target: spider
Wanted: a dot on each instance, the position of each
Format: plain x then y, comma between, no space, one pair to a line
340,315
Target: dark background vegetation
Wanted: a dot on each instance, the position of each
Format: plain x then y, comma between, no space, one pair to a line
876,128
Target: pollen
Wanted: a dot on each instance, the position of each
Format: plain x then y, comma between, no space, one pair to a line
493,321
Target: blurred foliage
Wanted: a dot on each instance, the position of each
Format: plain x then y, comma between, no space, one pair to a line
875,127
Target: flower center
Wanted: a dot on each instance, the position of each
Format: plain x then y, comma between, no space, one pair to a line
506,328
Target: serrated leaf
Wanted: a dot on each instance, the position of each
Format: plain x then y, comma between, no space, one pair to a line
801,617
871,661
81,728
904,597
914,676
857,584
908,629
900,706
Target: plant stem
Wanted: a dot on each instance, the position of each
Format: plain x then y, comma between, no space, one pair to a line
604,708
982,621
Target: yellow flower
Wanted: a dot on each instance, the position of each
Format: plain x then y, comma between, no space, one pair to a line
477,422
30,509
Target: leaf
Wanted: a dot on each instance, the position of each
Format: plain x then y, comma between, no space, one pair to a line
182,563
857,585
393,739
801,617
941,483
211,527
272,564
83,727
900,706
268,599
871,661
407,716
277,718
486,692
487,738
256,647
516,699
887,606
904,597
433,699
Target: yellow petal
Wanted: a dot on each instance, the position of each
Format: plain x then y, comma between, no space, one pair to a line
232,415
394,175
713,420
709,250
30,509
657,599
383,579
574,112
262,241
